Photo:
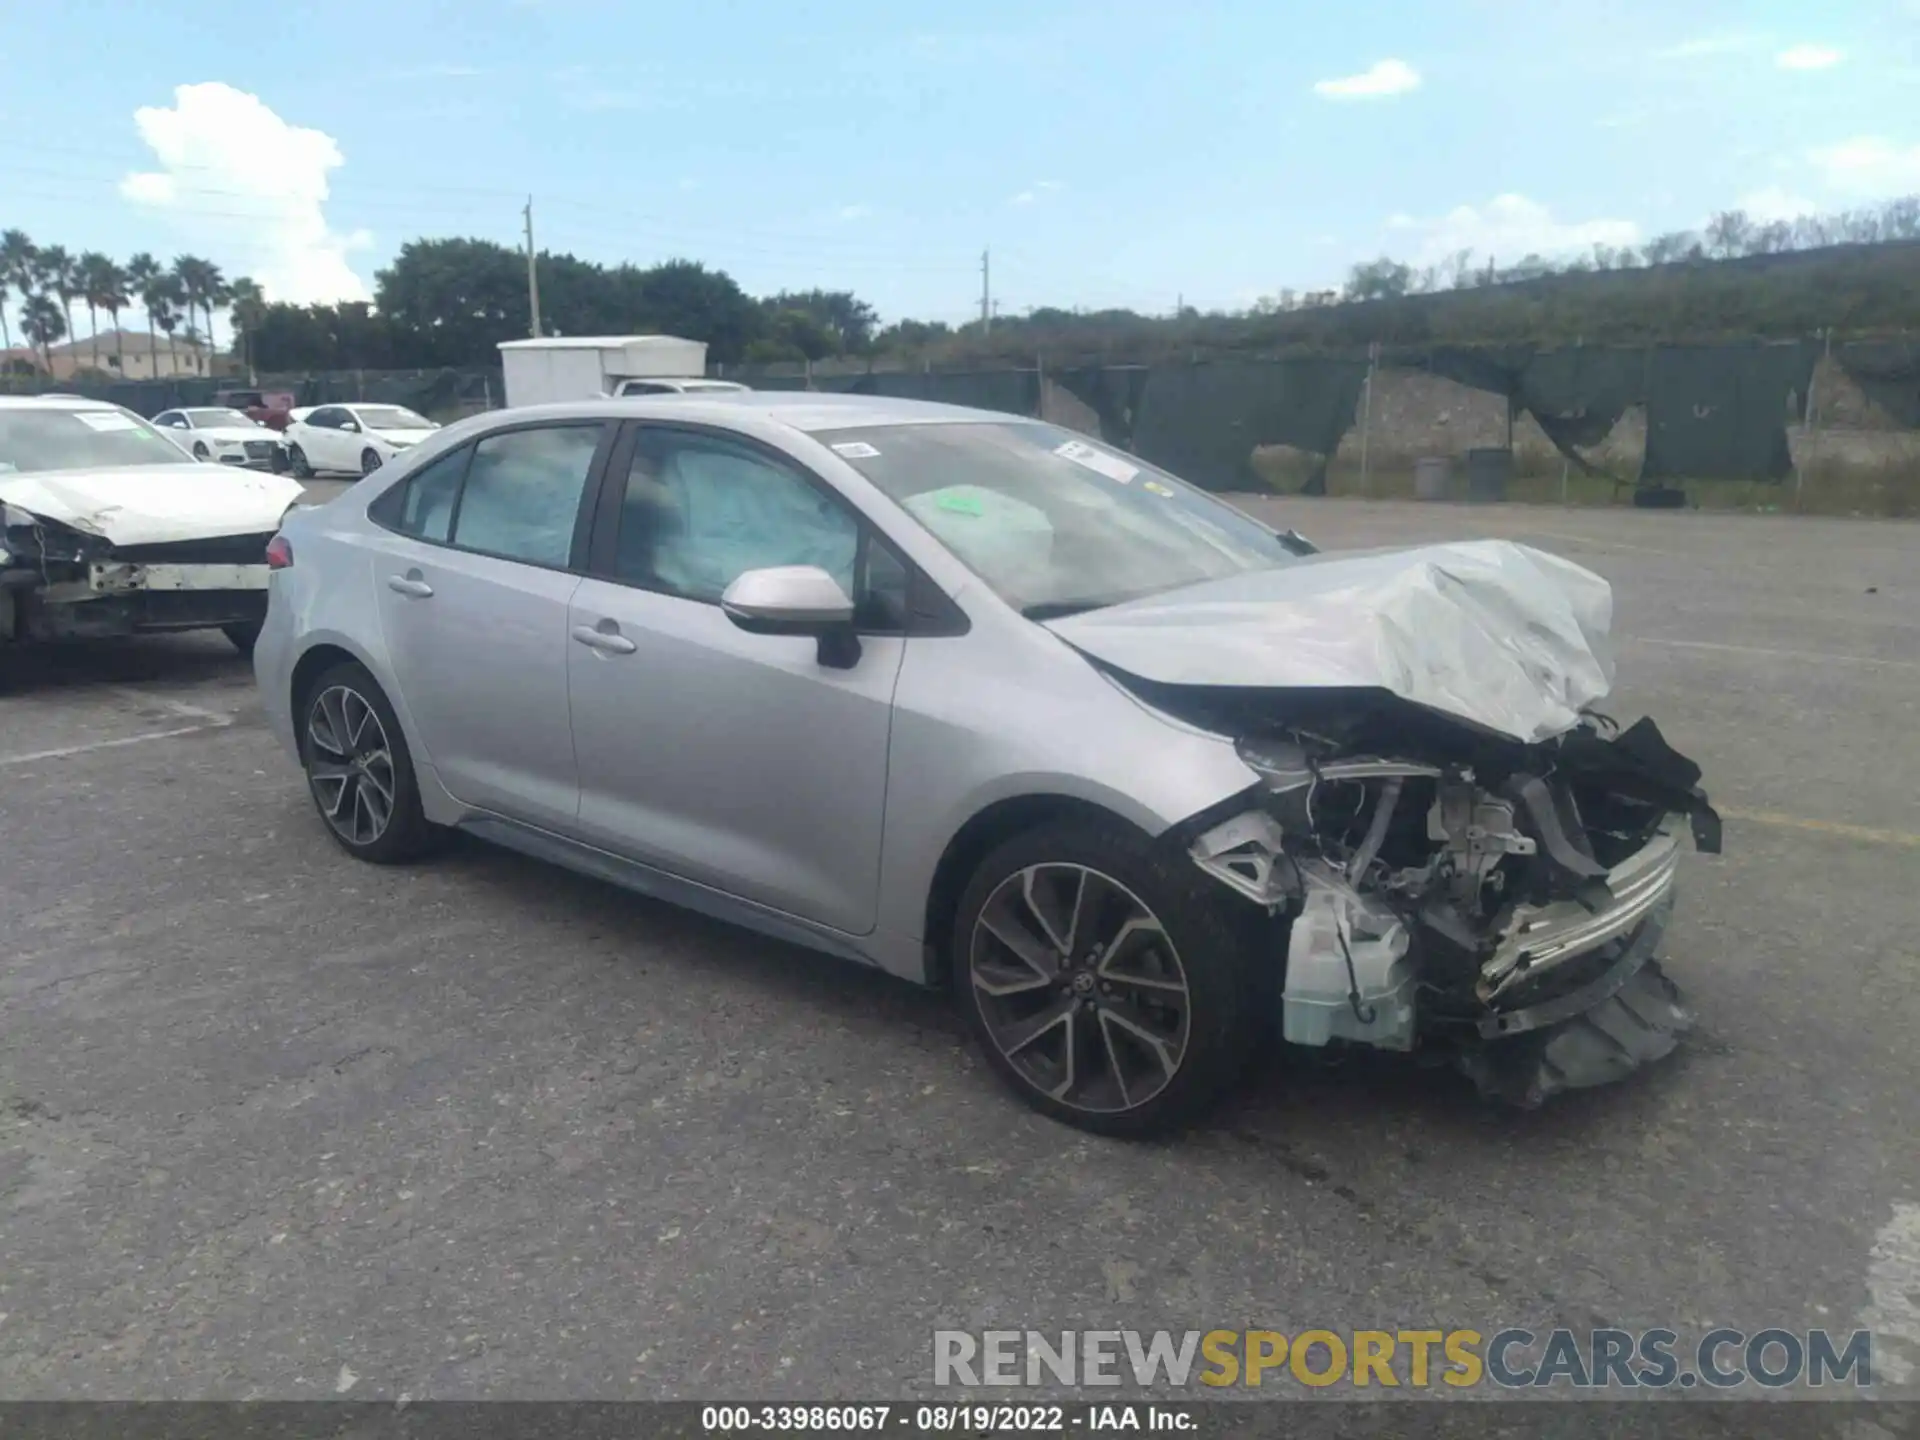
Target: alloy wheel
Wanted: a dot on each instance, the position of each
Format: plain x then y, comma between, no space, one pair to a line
350,765
369,461
1080,987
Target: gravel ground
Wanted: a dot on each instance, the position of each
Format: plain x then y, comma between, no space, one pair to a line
273,1124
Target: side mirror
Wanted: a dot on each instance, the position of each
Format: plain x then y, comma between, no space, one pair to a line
352,426
796,600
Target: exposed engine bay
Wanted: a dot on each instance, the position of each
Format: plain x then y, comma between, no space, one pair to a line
60,582
1456,891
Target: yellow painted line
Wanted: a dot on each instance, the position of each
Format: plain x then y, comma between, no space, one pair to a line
1868,833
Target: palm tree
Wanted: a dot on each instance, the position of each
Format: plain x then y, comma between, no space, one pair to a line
144,280
106,289
87,270
56,273
168,294
41,322
16,271
249,308
201,284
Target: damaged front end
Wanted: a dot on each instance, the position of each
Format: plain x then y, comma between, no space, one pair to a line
1459,892
60,582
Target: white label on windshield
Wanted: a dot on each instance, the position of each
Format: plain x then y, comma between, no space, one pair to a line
1098,461
104,420
855,450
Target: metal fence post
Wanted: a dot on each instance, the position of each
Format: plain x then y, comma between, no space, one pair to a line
1811,445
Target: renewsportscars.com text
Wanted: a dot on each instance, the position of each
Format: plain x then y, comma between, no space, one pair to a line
1513,1358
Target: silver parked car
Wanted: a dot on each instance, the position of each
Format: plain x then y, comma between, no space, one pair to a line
984,702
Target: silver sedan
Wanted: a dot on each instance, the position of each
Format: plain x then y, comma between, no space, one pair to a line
986,703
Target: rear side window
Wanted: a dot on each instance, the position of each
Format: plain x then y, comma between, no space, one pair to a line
523,492
422,505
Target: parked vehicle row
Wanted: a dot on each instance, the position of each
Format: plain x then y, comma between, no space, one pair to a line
986,703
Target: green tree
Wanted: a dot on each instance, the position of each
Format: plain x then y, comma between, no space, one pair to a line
103,286
56,274
848,321
198,284
249,307
145,282
1381,279
453,301
42,323
16,274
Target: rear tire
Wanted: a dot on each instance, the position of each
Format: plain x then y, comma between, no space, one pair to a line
1124,1002
243,635
359,770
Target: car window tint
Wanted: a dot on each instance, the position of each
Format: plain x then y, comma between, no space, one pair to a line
699,511
422,504
523,490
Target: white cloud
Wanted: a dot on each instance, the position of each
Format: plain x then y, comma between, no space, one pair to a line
1808,57
1870,166
1383,77
248,187
855,212
1508,228
1773,202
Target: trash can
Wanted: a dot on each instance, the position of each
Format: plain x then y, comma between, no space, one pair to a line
1432,478
1488,471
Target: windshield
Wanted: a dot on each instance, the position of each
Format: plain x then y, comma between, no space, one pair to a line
1054,522
391,417
213,419
80,440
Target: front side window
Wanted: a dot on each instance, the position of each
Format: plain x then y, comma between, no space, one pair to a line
1053,522
523,491
700,511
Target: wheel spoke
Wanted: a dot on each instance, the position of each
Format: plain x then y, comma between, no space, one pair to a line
1114,1017
1022,1033
1036,966
1058,928
357,722
1139,942
350,765
378,768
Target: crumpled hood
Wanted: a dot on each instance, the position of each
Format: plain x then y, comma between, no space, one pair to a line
1499,634
154,504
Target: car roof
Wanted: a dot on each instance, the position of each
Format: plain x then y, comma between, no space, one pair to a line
802,410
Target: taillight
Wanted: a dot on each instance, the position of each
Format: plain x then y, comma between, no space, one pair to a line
279,553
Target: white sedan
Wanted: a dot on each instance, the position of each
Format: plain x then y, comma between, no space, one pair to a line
351,439
215,433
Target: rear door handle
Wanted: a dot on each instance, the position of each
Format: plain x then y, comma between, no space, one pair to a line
610,642
408,585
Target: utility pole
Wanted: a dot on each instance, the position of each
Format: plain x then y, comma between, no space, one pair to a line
986,295
533,274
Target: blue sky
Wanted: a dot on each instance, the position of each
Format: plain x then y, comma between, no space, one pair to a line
1112,153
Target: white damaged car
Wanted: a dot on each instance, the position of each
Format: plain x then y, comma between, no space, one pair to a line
107,529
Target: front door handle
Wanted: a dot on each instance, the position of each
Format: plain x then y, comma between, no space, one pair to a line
409,585
609,642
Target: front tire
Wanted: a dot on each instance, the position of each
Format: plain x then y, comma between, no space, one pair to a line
369,461
359,769
1106,982
297,462
199,450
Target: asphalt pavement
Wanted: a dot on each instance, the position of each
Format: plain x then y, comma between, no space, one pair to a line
275,1124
